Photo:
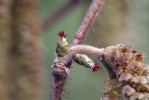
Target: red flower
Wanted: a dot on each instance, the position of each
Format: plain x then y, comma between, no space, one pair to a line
95,68
62,34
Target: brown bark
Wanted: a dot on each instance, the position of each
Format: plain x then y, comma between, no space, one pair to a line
26,69
5,31
21,71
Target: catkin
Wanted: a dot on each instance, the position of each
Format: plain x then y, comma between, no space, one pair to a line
132,75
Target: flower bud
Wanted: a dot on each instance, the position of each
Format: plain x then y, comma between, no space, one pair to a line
62,45
84,60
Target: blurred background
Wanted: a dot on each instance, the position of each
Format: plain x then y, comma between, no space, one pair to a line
27,51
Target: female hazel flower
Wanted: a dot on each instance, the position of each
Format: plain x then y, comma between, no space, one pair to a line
84,60
62,45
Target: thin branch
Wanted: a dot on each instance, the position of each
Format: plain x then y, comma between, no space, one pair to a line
83,49
97,53
87,22
61,69
59,13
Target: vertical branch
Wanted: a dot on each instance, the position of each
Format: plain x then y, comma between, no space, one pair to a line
59,77
60,71
25,82
5,31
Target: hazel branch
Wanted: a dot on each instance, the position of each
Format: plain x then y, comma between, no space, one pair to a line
87,22
97,53
83,49
60,70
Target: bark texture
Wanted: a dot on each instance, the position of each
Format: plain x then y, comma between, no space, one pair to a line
5,31
20,56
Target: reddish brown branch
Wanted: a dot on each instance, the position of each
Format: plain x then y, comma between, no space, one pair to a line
60,70
87,22
97,53
59,13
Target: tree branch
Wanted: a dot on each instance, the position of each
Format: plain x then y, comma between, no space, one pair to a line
87,22
60,70
97,53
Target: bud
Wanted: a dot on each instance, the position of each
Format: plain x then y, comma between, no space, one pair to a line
84,60
62,45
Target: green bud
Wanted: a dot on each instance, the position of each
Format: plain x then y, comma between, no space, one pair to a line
84,60
62,45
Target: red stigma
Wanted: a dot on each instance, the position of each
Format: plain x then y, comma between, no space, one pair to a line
62,34
95,68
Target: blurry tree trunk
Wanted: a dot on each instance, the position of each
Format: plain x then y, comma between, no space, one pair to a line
23,71
5,31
